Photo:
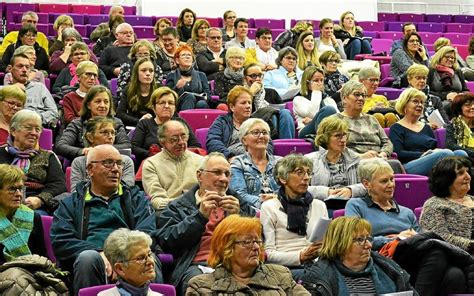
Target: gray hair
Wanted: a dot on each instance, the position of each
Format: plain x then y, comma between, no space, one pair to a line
368,72
29,13
234,51
369,167
248,124
205,160
350,86
288,164
22,116
284,52
213,29
118,244
164,127
24,49
71,32
94,150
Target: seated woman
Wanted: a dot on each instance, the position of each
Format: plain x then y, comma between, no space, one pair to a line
376,105
333,80
352,36
26,36
287,76
185,23
414,141
435,269
228,29
470,57
62,22
334,166
459,133
87,73
307,52
68,78
140,49
160,25
12,99
412,52
223,135
348,266
145,140
198,36
290,37
327,41
97,102
45,177
232,75
132,260
165,55
289,220
463,66
252,172
237,256
61,58
449,213
34,74
313,104
417,75
99,130
445,78
133,104
191,85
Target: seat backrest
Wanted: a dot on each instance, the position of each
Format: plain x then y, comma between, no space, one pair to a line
46,139
47,221
167,290
283,148
380,45
411,192
93,291
417,212
200,118
338,213
440,135
201,135
68,178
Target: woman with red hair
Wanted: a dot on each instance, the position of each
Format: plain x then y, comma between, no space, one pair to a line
237,256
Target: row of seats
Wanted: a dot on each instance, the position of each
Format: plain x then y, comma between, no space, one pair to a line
417,17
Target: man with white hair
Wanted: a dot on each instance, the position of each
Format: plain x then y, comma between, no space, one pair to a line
83,220
115,55
28,17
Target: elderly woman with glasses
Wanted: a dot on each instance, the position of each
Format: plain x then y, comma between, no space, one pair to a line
334,79
68,78
348,266
252,172
131,257
12,99
44,175
99,130
287,76
289,220
459,133
436,268
97,102
233,73
237,256
26,36
414,141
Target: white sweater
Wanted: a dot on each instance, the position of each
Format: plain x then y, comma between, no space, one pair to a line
283,246
302,107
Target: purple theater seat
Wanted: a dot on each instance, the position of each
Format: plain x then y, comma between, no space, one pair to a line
136,20
251,21
252,32
440,135
463,18
470,85
113,86
49,7
129,10
213,21
82,29
338,213
167,290
430,27
289,106
79,19
95,19
18,7
385,77
390,93
276,32
372,26
458,38
439,18
144,32
270,23
68,179
201,135
417,212
173,19
46,221
200,118
411,192
46,139
387,17
463,50
430,37
283,148
394,26
372,34
411,17
391,35
379,45
458,28
86,9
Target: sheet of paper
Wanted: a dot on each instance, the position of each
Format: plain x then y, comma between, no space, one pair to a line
319,230
290,94
404,293
435,118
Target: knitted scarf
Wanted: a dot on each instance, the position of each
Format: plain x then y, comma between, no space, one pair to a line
21,158
296,210
14,235
125,289
259,100
446,75
72,71
235,77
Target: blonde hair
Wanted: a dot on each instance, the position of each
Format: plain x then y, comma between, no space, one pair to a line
417,69
82,66
234,51
406,96
303,57
198,24
328,127
12,91
61,20
343,15
436,58
440,42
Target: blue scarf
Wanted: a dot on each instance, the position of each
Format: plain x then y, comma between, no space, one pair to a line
125,289
14,234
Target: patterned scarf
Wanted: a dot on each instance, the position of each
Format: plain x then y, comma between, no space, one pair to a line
235,77
14,235
21,158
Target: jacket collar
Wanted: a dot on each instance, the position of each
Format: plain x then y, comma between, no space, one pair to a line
371,204
224,282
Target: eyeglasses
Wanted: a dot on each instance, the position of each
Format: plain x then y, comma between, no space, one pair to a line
255,75
301,173
451,58
238,58
30,129
79,53
215,37
417,102
91,75
162,103
336,61
108,133
249,243
142,260
362,239
359,95
316,81
373,80
217,173
340,136
109,163
175,139
14,105
186,55
142,55
14,189
468,104
291,58
257,133
29,36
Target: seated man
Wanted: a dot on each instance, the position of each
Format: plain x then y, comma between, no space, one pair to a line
241,40
212,60
103,29
115,55
169,173
264,54
28,17
186,225
38,97
85,218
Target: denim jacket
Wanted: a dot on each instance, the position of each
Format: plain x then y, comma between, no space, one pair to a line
247,179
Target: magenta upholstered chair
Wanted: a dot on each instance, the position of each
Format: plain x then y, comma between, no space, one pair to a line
410,191
285,147
86,9
201,135
167,290
372,26
338,213
417,212
47,221
46,139
200,118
